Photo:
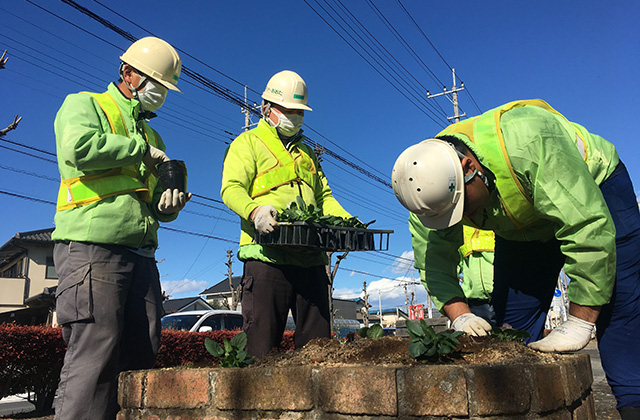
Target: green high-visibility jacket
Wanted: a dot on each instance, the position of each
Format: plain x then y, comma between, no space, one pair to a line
259,171
86,146
549,171
475,258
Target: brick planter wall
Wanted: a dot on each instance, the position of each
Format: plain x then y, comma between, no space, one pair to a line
560,391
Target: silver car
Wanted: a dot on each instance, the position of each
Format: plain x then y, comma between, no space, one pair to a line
202,321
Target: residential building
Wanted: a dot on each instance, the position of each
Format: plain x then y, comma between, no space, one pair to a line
28,278
171,306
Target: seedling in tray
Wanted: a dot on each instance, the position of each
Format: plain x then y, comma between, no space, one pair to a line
299,211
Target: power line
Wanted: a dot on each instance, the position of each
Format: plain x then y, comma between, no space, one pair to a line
370,64
216,88
435,49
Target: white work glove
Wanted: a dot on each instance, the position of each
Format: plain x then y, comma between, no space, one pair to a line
472,325
573,335
264,219
153,157
172,201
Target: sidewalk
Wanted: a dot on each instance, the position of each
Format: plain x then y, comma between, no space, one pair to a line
605,402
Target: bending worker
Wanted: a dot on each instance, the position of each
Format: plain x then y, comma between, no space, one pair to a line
265,169
108,299
557,197
475,267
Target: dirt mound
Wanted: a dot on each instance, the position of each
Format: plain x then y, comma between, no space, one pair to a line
395,351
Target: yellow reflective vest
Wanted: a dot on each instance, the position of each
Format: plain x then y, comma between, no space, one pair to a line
258,170
85,189
483,130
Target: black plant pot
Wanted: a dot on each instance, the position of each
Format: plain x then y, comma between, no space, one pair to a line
172,175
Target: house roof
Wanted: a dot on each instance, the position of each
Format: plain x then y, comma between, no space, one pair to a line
12,248
223,286
175,305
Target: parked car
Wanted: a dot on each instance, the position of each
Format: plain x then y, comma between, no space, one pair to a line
342,327
202,321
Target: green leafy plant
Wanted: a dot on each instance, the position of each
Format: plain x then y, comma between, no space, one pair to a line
374,331
233,353
508,334
426,344
299,211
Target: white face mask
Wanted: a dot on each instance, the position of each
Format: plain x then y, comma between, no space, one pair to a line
152,96
288,124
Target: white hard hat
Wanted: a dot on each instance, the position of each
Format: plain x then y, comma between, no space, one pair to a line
287,89
155,58
428,181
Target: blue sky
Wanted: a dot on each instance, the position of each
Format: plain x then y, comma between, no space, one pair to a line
581,57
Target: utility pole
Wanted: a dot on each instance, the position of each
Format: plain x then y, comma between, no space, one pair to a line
365,308
246,110
454,97
380,306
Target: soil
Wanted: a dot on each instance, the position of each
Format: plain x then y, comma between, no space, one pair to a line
395,351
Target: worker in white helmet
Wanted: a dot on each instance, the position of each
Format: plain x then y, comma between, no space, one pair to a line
108,299
265,169
556,197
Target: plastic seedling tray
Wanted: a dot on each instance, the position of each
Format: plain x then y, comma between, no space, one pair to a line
325,238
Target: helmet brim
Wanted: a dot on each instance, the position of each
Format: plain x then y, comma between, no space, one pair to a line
445,220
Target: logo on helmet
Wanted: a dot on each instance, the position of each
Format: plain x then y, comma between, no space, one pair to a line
275,91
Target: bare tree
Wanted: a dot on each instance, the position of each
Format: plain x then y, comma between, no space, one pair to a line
365,308
12,126
235,293
3,60
331,274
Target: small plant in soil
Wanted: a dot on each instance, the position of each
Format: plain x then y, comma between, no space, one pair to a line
508,334
374,331
426,344
233,353
299,211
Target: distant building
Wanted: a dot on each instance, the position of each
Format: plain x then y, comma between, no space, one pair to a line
171,306
28,278
219,295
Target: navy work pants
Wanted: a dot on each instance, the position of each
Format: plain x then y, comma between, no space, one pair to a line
269,291
526,274
109,304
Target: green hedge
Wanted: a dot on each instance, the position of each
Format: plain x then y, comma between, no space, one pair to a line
31,357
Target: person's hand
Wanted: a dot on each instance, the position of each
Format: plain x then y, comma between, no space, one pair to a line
172,201
153,157
573,335
471,324
264,219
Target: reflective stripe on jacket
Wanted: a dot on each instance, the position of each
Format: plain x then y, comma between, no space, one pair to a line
84,189
286,169
477,240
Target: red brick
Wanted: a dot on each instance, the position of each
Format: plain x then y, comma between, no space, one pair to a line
499,389
432,390
130,385
285,388
177,388
367,390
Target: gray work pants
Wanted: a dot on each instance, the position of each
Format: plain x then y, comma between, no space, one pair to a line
109,304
